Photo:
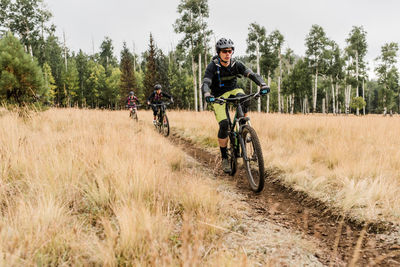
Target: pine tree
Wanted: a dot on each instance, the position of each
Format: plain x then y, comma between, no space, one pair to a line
49,85
162,69
128,76
180,83
112,94
96,83
71,80
21,78
82,67
151,76
53,55
107,59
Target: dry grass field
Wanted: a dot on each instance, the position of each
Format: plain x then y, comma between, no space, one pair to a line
351,163
86,187
90,187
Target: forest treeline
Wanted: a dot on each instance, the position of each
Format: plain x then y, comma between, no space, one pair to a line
37,66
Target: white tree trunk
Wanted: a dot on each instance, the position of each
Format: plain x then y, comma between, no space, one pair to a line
31,51
280,108
357,94
337,97
269,85
66,71
327,100
200,94
292,105
134,56
315,91
333,97
323,105
363,95
258,72
347,98
65,53
194,84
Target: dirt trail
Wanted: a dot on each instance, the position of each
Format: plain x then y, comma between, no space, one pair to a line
340,242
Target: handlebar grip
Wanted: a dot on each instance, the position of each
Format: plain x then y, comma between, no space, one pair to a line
219,101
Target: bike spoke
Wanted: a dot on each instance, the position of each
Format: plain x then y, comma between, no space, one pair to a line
253,160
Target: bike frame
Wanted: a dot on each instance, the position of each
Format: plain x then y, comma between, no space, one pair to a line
235,128
161,112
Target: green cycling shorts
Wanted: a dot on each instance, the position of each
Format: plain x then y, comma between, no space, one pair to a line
219,110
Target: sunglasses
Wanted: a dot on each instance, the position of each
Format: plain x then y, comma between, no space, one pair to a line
226,51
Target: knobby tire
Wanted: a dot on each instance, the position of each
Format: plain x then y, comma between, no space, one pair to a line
255,163
165,126
135,117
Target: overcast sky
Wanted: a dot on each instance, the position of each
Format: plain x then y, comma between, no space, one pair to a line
88,21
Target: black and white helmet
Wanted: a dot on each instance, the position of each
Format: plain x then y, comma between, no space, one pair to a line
224,43
157,87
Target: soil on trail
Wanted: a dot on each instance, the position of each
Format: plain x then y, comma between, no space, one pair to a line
341,242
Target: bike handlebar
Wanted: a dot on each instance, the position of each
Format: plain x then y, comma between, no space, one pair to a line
160,104
243,98
137,105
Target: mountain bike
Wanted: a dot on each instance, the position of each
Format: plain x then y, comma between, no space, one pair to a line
133,114
243,141
162,123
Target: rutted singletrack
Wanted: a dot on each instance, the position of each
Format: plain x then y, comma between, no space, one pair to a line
341,241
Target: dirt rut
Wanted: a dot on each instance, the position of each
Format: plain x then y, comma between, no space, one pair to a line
340,240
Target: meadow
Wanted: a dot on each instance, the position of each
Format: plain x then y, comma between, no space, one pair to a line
87,187
350,163
91,187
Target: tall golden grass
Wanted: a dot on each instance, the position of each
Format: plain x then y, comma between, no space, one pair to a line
85,187
351,163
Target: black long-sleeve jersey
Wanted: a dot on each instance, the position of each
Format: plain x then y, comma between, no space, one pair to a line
156,98
219,79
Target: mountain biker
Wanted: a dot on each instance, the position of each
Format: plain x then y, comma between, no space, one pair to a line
131,102
220,80
155,98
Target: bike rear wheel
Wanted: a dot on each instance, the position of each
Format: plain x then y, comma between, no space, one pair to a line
253,158
164,127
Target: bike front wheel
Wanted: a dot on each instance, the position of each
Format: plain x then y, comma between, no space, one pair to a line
134,116
253,158
164,127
